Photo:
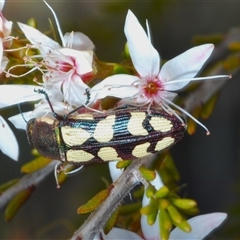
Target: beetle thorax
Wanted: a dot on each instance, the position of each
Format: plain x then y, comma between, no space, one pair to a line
42,136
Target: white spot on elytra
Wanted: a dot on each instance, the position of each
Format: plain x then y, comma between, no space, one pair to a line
161,124
141,150
135,126
104,129
74,136
108,154
164,143
78,156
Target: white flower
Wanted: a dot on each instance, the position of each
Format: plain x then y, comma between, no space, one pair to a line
5,38
8,141
5,26
2,3
152,85
14,94
202,226
65,69
10,95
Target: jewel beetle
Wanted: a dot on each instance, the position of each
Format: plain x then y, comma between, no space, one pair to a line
123,134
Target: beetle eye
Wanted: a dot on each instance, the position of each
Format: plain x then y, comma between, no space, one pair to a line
30,125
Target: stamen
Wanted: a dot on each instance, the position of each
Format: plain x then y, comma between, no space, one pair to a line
188,114
8,74
15,49
72,171
170,110
36,81
197,79
57,23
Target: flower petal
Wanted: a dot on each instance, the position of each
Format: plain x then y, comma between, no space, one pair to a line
119,86
118,233
74,91
78,41
8,142
3,63
43,109
201,225
37,38
114,171
2,3
185,66
5,26
12,94
18,120
144,56
82,59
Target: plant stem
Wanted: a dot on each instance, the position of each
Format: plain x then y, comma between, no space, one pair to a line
124,184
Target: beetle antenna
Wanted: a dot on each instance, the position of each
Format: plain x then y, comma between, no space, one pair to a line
20,110
73,171
87,90
41,91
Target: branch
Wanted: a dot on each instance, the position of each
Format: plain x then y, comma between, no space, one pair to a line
31,179
125,183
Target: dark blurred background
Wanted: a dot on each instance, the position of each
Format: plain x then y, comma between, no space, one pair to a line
208,165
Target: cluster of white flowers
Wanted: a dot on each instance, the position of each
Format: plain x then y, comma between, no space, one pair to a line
66,71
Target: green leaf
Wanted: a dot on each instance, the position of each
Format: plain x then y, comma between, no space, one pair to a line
120,69
234,46
184,203
209,106
171,167
165,224
32,22
184,225
150,208
130,208
35,164
16,202
147,174
126,51
150,191
174,214
123,164
8,184
191,124
162,192
94,202
151,218
112,220
163,203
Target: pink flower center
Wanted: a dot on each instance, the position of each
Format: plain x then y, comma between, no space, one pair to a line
65,66
152,87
